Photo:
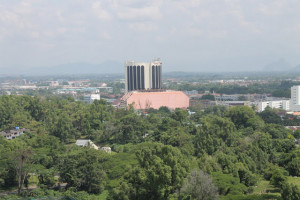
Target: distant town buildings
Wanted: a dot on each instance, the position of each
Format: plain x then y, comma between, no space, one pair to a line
292,104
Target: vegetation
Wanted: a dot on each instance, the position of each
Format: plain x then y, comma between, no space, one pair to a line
230,153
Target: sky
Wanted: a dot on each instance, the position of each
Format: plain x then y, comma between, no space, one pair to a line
188,35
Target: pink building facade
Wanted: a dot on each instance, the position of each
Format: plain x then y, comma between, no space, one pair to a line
146,100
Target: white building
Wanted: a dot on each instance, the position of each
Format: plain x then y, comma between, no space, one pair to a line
86,143
282,104
295,98
91,97
143,75
106,149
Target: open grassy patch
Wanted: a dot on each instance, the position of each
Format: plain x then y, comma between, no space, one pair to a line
103,195
252,197
264,187
261,187
294,180
33,179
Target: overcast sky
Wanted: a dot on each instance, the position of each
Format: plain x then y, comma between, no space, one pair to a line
193,35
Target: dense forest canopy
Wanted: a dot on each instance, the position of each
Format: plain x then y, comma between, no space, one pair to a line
219,152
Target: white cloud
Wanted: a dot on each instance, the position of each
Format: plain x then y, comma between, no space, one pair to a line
100,12
150,12
144,27
272,8
191,25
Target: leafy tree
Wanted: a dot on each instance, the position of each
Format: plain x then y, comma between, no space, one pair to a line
246,177
290,192
277,131
132,128
199,185
216,110
278,178
213,133
228,184
63,128
160,172
294,166
269,116
209,164
208,97
177,137
297,134
180,115
165,111
283,145
240,116
21,160
81,168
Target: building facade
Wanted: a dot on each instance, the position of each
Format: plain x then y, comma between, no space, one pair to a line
282,104
295,98
143,75
90,98
145,100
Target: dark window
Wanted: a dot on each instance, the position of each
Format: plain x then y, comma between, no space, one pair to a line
134,77
138,77
143,77
159,71
157,78
153,77
128,79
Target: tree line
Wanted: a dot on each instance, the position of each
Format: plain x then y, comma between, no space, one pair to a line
158,154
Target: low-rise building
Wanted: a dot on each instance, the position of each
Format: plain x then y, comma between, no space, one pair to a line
13,133
234,103
282,104
86,143
227,97
106,149
91,97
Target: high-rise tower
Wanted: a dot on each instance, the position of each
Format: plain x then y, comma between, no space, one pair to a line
142,75
295,98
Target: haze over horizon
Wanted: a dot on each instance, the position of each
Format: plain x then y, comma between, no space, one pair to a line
189,35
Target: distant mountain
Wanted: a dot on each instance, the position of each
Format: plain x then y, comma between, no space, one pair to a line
280,65
107,67
297,68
